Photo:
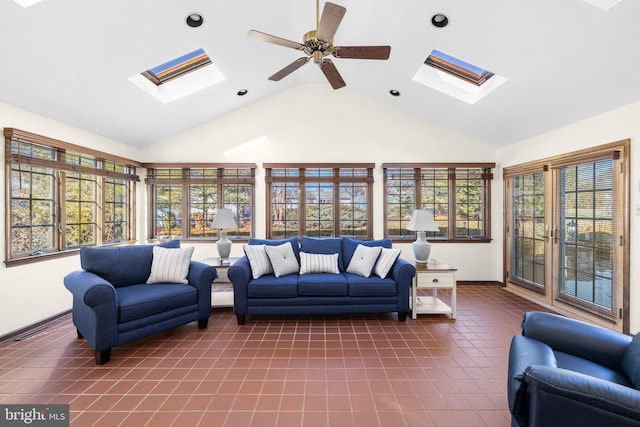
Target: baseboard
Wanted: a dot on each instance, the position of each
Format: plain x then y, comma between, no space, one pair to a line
479,282
14,335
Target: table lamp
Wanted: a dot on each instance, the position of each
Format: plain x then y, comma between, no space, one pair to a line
422,221
224,219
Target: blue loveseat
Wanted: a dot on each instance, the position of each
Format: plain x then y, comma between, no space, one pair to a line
563,372
113,304
321,292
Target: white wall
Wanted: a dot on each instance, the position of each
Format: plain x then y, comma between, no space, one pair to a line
33,292
313,123
615,125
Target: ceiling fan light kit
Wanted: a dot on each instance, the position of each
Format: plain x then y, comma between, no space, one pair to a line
318,45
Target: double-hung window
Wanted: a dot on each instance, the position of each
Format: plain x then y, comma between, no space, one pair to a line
458,194
320,200
184,199
63,197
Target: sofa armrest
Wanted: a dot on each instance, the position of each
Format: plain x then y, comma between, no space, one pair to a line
90,289
201,276
402,273
240,274
562,397
590,342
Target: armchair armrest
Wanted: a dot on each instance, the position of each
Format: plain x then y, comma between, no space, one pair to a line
239,274
563,397
590,342
90,289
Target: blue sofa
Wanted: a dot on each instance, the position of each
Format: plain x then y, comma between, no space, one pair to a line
321,293
563,372
114,305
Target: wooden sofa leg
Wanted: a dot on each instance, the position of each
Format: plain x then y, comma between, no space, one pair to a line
203,323
103,356
241,318
402,316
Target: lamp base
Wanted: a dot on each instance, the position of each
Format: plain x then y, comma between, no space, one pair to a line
224,247
421,248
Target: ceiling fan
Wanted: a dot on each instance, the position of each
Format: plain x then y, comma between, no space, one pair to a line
318,44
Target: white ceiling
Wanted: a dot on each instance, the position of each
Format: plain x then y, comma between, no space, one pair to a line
564,60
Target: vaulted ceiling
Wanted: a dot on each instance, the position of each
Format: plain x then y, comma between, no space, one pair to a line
563,60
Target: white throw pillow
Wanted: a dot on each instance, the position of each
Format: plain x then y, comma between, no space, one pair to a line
318,263
385,261
258,259
170,265
363,260
283,260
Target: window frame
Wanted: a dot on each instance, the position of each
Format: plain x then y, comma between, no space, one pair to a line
336,179
185,180
66,159
486,177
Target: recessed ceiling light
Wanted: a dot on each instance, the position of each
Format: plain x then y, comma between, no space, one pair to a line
440,20
242,92
394,92
194,20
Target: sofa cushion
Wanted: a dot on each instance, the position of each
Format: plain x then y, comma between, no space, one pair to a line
363,260
170,265
283,260
373,286
293,240
258,260
141,300
318,263
349,246
385,261
133,262
631,361
322,284
328,245
270,286
592,369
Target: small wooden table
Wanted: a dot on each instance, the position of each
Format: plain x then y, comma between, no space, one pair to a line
433,275
221,298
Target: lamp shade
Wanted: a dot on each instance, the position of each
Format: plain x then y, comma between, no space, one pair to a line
422,220
224,219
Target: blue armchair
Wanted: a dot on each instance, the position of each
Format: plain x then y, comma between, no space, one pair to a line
563,372
114,305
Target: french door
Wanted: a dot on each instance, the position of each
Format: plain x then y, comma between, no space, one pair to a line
566,228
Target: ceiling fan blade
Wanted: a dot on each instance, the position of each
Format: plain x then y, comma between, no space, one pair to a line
275,40
332,15
362,52
289,69
331,73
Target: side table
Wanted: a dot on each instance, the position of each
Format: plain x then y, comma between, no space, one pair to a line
433,275
221,298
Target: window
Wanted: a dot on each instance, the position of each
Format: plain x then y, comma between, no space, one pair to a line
184,199
319,200
458,194
64,197
566,234
458,68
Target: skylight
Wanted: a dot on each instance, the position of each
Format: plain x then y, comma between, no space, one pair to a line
179,77
456,78
27,3
603,4
175,68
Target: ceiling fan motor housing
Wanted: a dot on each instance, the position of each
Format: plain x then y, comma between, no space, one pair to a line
315,48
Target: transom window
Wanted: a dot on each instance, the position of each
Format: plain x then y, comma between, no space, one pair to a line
64,197
184,199
458,194
319,200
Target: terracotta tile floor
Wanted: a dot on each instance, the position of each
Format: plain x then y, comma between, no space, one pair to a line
360,370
